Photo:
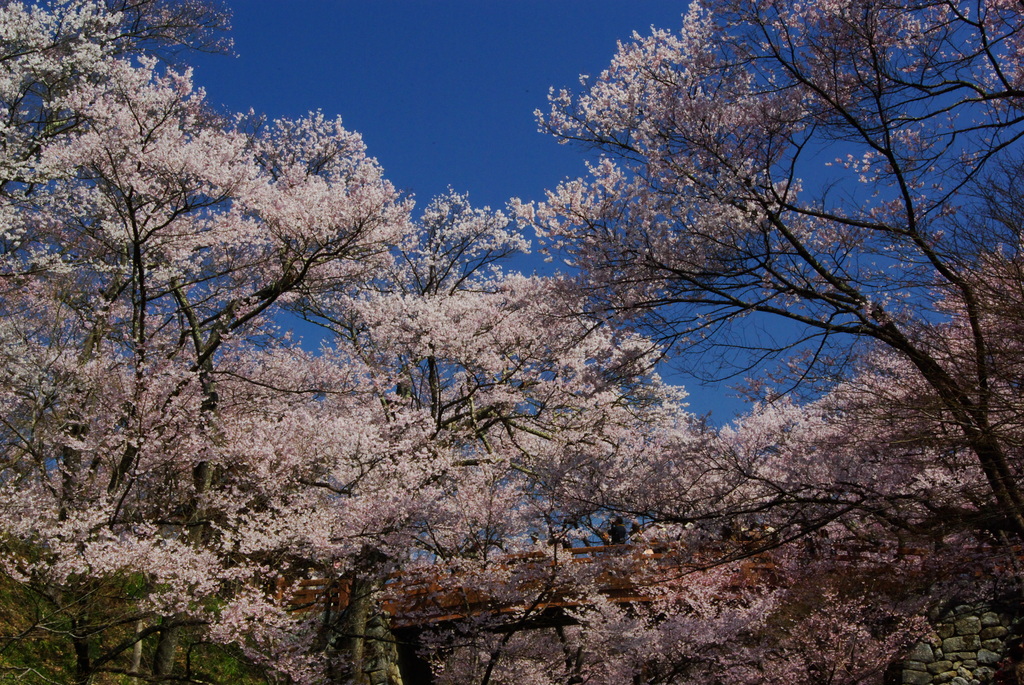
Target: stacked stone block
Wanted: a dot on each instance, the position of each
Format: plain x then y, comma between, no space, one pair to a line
381,665
964,648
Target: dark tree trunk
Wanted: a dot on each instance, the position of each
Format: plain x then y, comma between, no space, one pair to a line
166,648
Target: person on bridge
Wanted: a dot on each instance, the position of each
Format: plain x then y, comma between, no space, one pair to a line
617,531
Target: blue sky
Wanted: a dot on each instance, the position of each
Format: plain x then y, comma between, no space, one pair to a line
443,91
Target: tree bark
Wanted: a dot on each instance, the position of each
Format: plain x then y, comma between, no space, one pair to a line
166,647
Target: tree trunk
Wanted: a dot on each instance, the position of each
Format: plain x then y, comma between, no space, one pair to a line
166,648
83,661
351,627
973,418
137,652
363,641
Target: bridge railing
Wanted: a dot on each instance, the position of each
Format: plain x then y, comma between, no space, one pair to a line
622,573
313,594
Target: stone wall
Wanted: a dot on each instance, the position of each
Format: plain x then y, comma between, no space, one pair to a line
965,647
380,659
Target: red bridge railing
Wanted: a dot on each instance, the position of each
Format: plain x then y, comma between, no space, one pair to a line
433,594
622,573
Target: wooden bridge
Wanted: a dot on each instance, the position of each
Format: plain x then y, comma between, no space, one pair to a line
624,574
539,589
434,594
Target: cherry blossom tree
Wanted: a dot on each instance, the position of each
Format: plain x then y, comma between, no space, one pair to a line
808,163
517,385
148,243
47,53
840,176
169,452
